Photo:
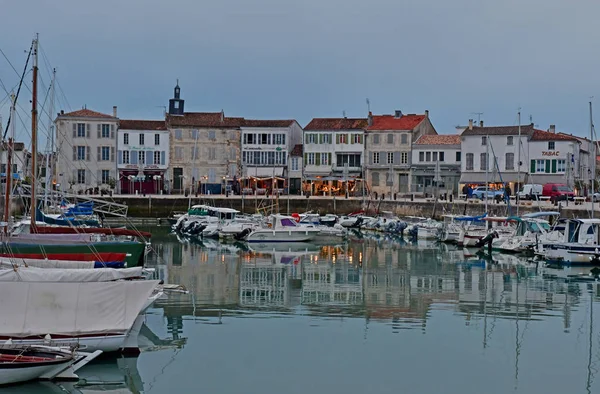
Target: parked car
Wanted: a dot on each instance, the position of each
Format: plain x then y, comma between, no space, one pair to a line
482,192
596,197
530,191
558,191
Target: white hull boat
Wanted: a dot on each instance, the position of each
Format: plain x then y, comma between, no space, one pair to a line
284,229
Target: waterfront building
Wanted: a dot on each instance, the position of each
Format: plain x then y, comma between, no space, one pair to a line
436,164
204,149
266,147
334,156
389,141
86,150
142,156
545,156
296,169
21,161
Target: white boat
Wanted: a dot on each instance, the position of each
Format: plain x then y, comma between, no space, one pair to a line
423,228
20,364
580,244
530,230
283,229
328,234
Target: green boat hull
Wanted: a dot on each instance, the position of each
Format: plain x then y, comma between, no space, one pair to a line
134,251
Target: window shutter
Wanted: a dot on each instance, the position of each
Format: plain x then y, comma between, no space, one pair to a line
337,138
133,157
74,153
99,177
352,139
74,130
112,154
320,138
547,166
329,158
88,127
88,153
554,166
75,180
306,138
347,138
99,153
112,131
149,158
305,158
360,139
371,157
162,157
396,157
318,159
98,130
120,157
88,177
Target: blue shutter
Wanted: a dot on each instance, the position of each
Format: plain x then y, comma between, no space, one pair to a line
133,157
120,157
149,158
162,157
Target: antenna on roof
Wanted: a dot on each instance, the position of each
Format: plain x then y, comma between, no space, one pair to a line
531,119
368,105
344,114
478,116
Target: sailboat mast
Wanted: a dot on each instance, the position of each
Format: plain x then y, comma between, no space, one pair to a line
9,154
487,164
518,162
50,168
594,156
194,158
34,114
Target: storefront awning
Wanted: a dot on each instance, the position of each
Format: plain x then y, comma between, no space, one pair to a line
264,172
480,177
330,178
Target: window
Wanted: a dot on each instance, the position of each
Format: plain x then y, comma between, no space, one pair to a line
325,138
375,157
141,139
81,152
509,140
194,153
551,145
376,139
484,140
404,158
156,157
142,157
249,139
483,162
105,153
390,157
270,158
510,161
427,156
353,160
279,139
356,139
105,177
434,156
81,177
212,154
375,179
81,131
404,139
469,161
325,159
540,166
105,131
342,138
311,159
194,134
178,134
561,165
125,157
312,138
212,135
458,156
178,153
125,138
421,156
442,154
156,139
295,164
390,138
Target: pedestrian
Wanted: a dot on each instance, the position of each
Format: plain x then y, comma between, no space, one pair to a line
465,191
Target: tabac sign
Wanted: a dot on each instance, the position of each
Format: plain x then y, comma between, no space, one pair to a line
551,153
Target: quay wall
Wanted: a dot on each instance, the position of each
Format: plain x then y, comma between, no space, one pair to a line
163,207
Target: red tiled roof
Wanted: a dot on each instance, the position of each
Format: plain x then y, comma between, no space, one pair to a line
438,139
540,135
203,119
390,122
499,130
297,151
337,124
268,123
132,124
87,113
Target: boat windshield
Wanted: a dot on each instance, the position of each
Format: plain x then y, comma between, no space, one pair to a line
285,222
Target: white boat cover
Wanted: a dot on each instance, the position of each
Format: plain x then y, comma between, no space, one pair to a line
34,274
42,263
71,309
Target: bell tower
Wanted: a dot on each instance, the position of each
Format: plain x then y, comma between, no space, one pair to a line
176,103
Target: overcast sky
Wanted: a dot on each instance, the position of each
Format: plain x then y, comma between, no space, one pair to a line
317,58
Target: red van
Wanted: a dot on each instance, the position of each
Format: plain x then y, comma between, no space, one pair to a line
558,191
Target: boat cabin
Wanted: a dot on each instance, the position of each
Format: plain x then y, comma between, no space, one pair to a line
220,213
583,231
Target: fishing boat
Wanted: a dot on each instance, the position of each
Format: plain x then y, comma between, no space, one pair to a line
20,364
284,229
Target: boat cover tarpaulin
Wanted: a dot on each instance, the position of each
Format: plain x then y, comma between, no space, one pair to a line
96,257
41,263
87,230
35,274
71,309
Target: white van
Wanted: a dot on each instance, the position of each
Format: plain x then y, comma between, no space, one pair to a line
530,191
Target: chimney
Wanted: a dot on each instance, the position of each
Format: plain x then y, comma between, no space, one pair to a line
114,111
397,114
552,128
62,111
470,124
481,123
222,116
370,119
427,113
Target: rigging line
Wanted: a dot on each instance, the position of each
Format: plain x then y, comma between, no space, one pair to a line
63,93
20,84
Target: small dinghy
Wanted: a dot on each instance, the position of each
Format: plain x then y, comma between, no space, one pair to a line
22,363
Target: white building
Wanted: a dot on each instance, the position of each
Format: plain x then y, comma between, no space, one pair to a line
545,156
21,161
296,169
334,155
436,163
266,147
142,156
86,149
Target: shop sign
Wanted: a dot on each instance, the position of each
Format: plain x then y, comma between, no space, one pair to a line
551,153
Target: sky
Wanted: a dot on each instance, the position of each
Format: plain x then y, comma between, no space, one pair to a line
280,59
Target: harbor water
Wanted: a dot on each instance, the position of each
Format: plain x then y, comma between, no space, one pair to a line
371,315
